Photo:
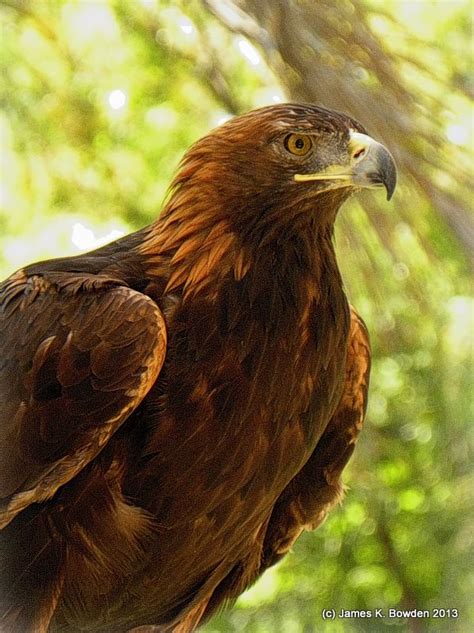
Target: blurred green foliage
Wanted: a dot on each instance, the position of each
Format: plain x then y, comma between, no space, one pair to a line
99,100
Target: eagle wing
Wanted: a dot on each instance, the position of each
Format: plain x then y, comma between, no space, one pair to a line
306,501
78,353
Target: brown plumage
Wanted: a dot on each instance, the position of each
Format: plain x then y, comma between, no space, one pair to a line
178,406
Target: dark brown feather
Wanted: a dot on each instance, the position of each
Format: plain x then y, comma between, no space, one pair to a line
179,405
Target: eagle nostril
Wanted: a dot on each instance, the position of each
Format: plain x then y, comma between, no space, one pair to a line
359,153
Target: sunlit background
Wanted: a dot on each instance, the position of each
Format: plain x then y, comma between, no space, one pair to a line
99,100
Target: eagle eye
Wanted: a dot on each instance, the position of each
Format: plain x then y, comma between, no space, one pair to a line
298,144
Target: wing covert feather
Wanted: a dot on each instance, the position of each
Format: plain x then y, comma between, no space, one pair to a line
77,357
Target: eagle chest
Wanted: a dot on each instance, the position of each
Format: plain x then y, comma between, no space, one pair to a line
232,392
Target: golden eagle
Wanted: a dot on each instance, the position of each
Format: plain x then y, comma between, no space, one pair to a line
177,407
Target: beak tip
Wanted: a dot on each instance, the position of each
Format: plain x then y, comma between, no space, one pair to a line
390,190
389,177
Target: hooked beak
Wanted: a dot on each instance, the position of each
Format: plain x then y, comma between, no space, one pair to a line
371,166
